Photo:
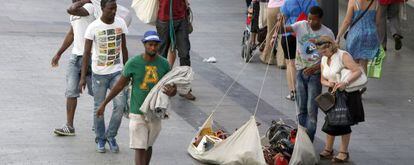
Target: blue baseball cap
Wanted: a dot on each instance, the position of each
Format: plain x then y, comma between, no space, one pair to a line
151,36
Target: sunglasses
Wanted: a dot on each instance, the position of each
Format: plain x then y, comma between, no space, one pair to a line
322,43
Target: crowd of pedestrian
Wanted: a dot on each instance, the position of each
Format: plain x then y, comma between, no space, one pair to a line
100,61
314,58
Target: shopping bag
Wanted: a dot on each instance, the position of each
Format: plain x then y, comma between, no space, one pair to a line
303,152
146,10
339,115
374,69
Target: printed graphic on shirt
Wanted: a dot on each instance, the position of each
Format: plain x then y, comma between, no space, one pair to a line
309,50
109,43
151,76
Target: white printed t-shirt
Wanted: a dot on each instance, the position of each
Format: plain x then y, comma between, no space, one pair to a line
308,55
106,50
79,25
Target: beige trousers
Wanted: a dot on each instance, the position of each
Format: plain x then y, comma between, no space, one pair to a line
267,52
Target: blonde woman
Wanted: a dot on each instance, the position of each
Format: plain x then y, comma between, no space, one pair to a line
332,62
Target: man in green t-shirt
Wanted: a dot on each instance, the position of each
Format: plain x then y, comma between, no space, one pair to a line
145,71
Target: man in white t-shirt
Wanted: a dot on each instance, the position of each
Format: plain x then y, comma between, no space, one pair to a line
109,54
308,84
81,16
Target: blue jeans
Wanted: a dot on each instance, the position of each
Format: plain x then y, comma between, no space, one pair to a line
101,83
73,77
307,88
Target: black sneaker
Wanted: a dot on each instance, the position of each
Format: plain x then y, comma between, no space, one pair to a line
65,131
398,43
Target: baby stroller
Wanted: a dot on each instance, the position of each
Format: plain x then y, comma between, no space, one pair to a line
248,43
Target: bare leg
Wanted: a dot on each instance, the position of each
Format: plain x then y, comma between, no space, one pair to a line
140,157
343,148
329,142
328,145
148,155
71,104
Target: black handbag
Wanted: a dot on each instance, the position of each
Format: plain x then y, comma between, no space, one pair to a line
339,115
325,101
358,18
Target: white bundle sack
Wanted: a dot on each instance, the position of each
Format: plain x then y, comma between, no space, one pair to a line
146,10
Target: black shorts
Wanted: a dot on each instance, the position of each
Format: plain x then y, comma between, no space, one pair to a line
291,43
255,18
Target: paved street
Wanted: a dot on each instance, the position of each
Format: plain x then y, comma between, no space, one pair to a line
33,101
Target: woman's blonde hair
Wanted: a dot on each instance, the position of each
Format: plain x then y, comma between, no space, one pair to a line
325,42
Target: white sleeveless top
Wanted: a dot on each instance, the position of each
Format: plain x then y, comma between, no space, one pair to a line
331,71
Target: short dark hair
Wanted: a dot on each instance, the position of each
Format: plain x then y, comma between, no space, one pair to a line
316,10
104,2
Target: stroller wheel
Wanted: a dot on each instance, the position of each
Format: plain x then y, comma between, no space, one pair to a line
243,50
244,43
248,53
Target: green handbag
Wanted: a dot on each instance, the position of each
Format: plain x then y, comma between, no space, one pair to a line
374,67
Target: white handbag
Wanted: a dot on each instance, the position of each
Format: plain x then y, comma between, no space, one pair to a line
359,83
146,10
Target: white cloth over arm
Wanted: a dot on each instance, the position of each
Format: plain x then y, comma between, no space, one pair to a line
157,102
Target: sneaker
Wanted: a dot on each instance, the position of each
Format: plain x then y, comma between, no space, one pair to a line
113,146
291,96
398,43
65,131
100,146
188,96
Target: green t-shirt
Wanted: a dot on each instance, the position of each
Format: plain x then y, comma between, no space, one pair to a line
144,75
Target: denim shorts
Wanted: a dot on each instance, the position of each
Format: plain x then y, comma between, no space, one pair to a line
73,77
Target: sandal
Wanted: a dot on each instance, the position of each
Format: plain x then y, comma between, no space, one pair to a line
337,160
326,154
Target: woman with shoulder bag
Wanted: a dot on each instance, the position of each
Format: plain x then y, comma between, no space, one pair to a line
334,64
361,20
